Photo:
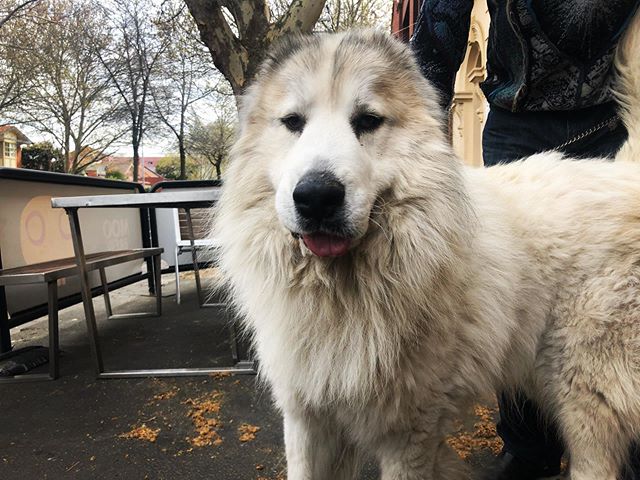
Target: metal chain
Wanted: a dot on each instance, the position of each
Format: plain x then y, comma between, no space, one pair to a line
610,121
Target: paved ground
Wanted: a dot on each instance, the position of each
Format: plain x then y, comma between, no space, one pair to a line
200,427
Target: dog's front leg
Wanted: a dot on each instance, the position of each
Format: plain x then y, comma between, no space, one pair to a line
419,454
316,450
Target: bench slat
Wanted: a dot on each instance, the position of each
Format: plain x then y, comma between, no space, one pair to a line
65,267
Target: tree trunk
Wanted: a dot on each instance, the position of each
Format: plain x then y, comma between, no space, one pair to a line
68,166
238,56
75,168
136,158
183,159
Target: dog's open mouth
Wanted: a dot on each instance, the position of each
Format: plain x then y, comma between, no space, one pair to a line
326,245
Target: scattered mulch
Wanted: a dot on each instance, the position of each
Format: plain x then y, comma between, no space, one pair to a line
206,426
483,436
167,395
247,432
142,433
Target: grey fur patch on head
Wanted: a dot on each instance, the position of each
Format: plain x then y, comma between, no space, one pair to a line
392,51
287,47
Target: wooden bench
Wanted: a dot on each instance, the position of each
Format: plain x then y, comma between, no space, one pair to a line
50,272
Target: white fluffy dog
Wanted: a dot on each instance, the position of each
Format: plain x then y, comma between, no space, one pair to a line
385,285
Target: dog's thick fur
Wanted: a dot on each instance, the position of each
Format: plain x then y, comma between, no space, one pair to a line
459,282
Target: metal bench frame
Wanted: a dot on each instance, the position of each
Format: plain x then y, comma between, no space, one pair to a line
52,271
190,244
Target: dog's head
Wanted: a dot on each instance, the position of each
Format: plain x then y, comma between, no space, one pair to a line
333,115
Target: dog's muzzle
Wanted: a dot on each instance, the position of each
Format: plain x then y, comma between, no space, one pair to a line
319,199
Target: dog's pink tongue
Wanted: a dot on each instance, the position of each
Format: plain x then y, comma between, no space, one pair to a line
324,245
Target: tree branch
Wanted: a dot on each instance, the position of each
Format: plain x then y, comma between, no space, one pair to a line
13,12
301,16
229,55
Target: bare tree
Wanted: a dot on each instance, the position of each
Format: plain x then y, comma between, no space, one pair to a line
341,15
16,61
10,9
14,67
69,91
238,32
132,61
209,143
187,75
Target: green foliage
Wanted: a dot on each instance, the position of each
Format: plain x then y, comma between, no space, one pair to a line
169,168
210,142
42,156
115,174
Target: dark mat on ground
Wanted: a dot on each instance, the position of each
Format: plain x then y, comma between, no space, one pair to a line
21,360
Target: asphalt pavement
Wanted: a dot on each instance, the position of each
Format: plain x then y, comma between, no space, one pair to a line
215,427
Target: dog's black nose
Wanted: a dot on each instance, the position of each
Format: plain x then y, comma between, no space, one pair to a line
318,195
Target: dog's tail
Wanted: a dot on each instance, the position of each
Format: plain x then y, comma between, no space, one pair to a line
627,90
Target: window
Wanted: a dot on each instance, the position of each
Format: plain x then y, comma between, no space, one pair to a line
10,157
10,150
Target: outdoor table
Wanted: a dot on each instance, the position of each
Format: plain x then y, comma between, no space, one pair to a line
186,200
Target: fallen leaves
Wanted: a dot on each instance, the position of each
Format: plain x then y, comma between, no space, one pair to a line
142,433
247,432
200,413
484,435
166,395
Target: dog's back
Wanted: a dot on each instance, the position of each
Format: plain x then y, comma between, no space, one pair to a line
575,230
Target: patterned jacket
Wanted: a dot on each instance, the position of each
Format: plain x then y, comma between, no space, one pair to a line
542,54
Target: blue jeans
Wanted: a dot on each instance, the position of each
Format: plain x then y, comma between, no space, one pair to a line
510,136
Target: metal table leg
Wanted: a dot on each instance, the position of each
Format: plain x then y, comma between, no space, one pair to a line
105,292
85,288
233,334
5,331
246,367
54,345
157,272
120,316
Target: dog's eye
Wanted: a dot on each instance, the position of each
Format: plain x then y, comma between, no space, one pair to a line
294,122
366,122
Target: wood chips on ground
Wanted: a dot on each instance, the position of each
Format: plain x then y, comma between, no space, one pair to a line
247,432
204,412
167,395
483,436
142,433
